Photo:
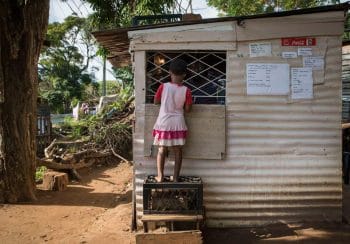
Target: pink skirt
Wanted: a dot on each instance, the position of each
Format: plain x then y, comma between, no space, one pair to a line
169,138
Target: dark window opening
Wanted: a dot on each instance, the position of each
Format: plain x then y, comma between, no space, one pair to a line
206,75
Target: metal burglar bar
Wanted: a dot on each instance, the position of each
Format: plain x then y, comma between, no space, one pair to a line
206,76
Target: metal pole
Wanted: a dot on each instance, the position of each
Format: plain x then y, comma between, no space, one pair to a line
104,77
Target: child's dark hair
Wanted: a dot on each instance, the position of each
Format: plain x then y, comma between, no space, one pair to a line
178,67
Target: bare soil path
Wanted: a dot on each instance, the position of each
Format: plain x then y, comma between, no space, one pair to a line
96,210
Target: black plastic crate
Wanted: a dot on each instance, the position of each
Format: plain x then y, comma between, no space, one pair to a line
183,197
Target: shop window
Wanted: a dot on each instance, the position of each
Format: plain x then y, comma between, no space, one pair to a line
206,76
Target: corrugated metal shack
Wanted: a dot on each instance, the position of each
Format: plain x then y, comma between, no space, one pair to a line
265,131
346,81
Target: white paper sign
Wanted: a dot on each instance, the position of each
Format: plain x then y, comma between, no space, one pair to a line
304,51
316,63
289,55
267,79
260,49
302,83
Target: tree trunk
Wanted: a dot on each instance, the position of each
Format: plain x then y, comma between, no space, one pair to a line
23,25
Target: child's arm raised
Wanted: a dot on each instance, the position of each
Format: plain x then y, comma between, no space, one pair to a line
188,108
188,102
156,101
158,96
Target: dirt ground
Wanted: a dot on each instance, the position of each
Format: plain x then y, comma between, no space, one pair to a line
282,233
98,210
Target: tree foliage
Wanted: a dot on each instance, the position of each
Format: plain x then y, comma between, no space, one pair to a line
124,75
118,13
249,7
346,36
63,66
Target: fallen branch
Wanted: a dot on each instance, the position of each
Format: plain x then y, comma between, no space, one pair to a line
118,156
89,153
75,174
73,161
48,151
52,148
49,163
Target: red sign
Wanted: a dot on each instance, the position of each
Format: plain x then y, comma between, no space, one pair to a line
299,41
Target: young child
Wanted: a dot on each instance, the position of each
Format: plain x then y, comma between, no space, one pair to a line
170,129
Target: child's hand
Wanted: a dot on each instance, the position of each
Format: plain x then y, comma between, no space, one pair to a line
188,108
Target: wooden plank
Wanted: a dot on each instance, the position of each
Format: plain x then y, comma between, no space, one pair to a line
186,36
174,237
140,76
219,46
207,131
260,29
139,81
345,126
217,26
198,111
171,217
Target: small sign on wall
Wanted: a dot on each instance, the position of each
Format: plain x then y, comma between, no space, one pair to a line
299,41
289,55
304,51
302,83
260,49
314,62
267,79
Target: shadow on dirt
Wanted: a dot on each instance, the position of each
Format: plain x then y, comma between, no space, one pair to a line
80,196
281,233
84,193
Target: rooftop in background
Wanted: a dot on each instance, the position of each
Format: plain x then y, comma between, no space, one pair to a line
117,41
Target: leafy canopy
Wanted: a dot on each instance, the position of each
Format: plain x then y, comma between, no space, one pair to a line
110,14
118,13
63,66
249,7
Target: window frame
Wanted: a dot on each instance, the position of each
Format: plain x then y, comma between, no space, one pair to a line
204,89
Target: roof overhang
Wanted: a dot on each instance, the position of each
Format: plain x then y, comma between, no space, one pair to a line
117,43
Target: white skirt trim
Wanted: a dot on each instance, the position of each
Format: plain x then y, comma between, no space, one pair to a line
170,142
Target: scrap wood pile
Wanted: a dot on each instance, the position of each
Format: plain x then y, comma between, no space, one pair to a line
107,138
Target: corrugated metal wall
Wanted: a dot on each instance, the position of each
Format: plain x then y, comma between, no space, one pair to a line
346,82
283,159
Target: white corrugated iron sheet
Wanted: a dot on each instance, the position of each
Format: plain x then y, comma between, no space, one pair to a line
283,158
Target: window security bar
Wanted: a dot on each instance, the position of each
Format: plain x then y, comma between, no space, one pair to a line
206,75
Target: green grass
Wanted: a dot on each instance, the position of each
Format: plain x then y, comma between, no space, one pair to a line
39,174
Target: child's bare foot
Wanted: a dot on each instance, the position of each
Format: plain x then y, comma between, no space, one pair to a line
174,179
159,179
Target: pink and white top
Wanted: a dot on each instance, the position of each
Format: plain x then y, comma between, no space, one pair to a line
170,128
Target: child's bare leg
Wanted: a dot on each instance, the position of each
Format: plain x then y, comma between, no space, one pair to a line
178,162
160,163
